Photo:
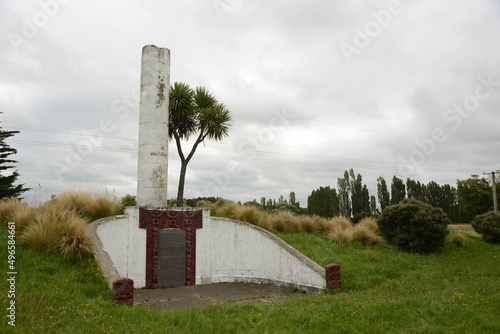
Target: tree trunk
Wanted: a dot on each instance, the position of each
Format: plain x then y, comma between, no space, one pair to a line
180,190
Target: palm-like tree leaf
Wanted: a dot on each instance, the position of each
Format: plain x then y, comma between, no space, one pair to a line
182,116
215,121
203,98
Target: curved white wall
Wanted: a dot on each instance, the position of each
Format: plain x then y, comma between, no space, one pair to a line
234,251
226,251
125,244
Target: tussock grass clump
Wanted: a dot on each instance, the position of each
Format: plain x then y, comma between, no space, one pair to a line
23,217
365,235
309,224
227,210
76,242
12,209
75,200
103,205
249,214
459,239
55,226
285,221
342,237
265,221
49,227
370,223
340,230
325,225
89,205
8,206
343,223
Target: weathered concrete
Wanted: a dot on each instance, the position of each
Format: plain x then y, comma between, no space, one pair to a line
235,251
226,251
214,294
153,128
108,269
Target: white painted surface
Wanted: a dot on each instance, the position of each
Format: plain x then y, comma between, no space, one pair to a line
233,251
226,251
153,127
125,244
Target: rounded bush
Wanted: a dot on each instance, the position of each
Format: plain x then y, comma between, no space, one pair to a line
414,226
488,225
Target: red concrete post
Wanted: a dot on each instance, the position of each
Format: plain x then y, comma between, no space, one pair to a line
333,277
123,291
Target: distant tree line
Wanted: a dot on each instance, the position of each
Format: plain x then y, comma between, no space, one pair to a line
273,205
351,198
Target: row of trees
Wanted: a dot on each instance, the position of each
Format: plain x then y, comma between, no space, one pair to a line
272,205
351,198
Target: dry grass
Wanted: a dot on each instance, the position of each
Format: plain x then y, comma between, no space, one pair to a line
285,221
12,209
90,205
309,224
59,223
55,226
49,227
340,230
249,214
459,239
265,221
365,235
76,242
326,225
226,210
103,205
75,200
467,227
369,223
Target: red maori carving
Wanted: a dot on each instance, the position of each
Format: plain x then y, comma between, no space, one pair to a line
155,220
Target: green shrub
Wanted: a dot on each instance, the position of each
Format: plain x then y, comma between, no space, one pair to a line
414,226
488,225
128,200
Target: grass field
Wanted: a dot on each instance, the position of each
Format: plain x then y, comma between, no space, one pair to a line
456,290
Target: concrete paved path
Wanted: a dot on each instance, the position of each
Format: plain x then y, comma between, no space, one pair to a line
209,294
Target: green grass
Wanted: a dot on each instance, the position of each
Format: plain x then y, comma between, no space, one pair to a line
456,290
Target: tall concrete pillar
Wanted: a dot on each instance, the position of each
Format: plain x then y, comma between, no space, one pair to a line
153,127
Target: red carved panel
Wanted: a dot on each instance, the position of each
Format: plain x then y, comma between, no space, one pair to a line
155,220
333,280
123,291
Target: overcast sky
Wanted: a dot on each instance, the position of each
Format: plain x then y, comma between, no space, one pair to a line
406,88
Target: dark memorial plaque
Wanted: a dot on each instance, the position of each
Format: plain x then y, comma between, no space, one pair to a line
171,258
156,220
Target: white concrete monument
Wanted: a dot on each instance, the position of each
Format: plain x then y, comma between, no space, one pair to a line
215,250
153,128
